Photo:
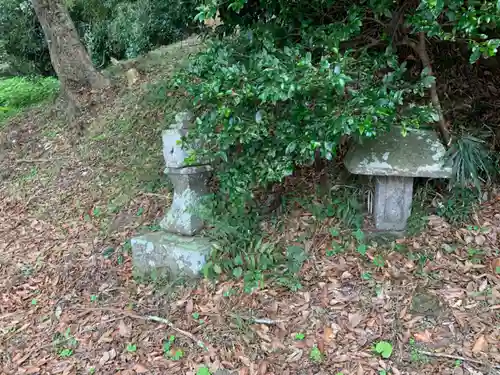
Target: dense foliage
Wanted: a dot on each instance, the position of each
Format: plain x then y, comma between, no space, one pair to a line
111,28
266,107
22,42
125,29
289,79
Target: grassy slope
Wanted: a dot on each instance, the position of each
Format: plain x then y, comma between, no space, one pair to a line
118,158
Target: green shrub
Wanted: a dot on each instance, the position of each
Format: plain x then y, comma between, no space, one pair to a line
289,79
18,92
242,249
22,40
125,29
265,106
343,203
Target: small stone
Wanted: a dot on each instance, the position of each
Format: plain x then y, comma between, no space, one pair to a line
427,304
132,76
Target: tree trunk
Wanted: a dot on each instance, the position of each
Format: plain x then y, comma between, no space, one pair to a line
67,53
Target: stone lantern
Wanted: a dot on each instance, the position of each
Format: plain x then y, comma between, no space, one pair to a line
177,249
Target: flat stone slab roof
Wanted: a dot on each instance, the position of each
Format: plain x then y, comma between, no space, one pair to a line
419,154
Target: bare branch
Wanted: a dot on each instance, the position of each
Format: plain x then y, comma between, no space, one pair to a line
384,25
421,50
152,318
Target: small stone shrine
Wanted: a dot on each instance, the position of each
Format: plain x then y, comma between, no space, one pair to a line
395,160
176,250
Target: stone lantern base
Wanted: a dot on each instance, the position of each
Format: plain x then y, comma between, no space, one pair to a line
169,255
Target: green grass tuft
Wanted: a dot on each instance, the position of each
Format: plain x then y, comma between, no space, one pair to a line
17,93
473,162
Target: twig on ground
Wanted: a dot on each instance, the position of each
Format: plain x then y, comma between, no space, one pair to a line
8,315
471,370
36,160
450,356
156,195
261,320
30,199
151,318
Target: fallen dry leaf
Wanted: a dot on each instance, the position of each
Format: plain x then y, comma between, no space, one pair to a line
321,345
104,358
328,335
262,368
480,240
355,319
495,267
483,285
123,329
189,306
32,370
140,369
481,345
244,360
424,336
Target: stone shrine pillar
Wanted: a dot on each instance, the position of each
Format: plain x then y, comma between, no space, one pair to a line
177,250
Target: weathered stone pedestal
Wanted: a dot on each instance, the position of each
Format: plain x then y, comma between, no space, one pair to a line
190,184
395,161
169,255
177,250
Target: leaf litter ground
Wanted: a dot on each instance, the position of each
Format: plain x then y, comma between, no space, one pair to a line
69,304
